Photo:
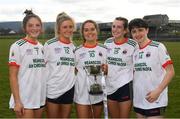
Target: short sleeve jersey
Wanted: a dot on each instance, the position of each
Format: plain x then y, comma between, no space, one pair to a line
87,56
120,63
29,57
60,67
149,64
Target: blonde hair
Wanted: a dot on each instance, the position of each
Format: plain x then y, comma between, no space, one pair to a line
61,17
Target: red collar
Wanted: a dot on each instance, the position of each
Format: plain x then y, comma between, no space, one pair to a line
124,41
65,41
145,45
90,46
31,41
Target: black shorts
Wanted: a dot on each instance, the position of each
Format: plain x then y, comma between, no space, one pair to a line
150,112
40,107
124,93
66,98
98,104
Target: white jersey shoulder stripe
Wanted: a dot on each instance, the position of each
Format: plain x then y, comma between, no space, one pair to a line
154,43
21,42
109,40
51,41
132,42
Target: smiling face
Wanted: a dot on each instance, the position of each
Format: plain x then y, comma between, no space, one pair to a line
139,34
90,32
66,29
118,30
33,28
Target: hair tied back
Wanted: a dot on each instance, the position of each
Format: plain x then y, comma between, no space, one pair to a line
28,12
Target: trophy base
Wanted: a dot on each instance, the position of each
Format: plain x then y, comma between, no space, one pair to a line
95,93
95,89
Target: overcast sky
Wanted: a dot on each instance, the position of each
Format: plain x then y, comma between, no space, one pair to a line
81,10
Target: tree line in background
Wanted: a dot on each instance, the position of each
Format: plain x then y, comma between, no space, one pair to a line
160,28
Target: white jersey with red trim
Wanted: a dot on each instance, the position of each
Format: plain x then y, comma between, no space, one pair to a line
149,64
29,58
60,66
86,56
120,63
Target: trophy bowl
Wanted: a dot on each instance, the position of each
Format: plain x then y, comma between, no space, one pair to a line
95,89
94,69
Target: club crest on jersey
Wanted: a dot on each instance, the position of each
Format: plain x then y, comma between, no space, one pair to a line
82,55
57,50
148,54
29,51
124,52
100,54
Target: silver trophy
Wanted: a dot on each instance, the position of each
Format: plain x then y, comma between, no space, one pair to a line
94,70
96,89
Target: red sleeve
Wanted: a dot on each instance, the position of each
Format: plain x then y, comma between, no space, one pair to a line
13,64
167,63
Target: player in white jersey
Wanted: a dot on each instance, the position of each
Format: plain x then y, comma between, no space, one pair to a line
89,54
60,59
120,69
26,70
153,70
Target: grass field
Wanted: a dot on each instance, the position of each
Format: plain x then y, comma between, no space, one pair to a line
173,109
